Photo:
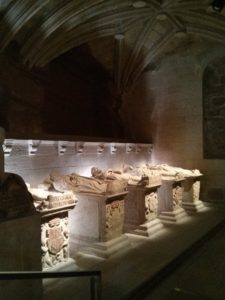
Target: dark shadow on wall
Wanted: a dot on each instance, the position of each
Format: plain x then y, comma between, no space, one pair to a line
214,110
138,105
70,96
78,97
4,105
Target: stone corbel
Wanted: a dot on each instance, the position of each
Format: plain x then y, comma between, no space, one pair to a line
33,147
100,148
139,148
142,147
79,147
150,148
61,148
130,148
113,148
7,147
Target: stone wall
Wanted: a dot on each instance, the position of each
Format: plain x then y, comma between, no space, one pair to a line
34,160
72,95
167,105
214,109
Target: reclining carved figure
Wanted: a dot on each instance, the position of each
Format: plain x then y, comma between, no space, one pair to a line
82,184
117,175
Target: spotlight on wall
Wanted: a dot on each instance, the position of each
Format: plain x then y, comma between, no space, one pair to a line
218,5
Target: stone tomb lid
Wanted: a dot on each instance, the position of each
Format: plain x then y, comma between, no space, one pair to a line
104,196
52,202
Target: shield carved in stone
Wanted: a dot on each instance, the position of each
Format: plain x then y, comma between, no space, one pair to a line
55,240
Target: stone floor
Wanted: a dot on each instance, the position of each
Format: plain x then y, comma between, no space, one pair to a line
127,274
202,276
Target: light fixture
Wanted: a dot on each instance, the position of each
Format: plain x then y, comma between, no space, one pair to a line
218,5
139,4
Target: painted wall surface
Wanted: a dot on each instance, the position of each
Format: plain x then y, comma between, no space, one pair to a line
171,114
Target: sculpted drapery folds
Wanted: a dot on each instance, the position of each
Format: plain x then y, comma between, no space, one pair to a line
82,184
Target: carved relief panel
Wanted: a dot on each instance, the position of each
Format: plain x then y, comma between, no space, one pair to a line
114,219
54,241
177,195
151,206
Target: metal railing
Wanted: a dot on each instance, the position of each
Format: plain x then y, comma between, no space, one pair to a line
95,278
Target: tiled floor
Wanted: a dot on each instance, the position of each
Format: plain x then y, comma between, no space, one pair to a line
124,273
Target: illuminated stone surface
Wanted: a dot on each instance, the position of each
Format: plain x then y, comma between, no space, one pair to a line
141,206
53,207
97,223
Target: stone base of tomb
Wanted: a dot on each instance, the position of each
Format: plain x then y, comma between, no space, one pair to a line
97,225
171,217
20,250
106,249
53,207
141,205
148,229
55,235
191,189
193,207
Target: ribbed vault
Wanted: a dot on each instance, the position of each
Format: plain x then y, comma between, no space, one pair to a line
45,29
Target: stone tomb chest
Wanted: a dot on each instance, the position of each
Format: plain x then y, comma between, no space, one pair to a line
141,208
53,208
96,225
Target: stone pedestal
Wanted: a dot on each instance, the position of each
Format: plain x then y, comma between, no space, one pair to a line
53,207
20,250
55,235
96,226
191,202
141,210
170,201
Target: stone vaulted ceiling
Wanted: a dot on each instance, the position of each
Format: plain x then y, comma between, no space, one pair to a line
125,35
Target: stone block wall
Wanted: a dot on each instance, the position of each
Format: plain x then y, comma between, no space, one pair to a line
34,160
71,95
214,109
171,114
